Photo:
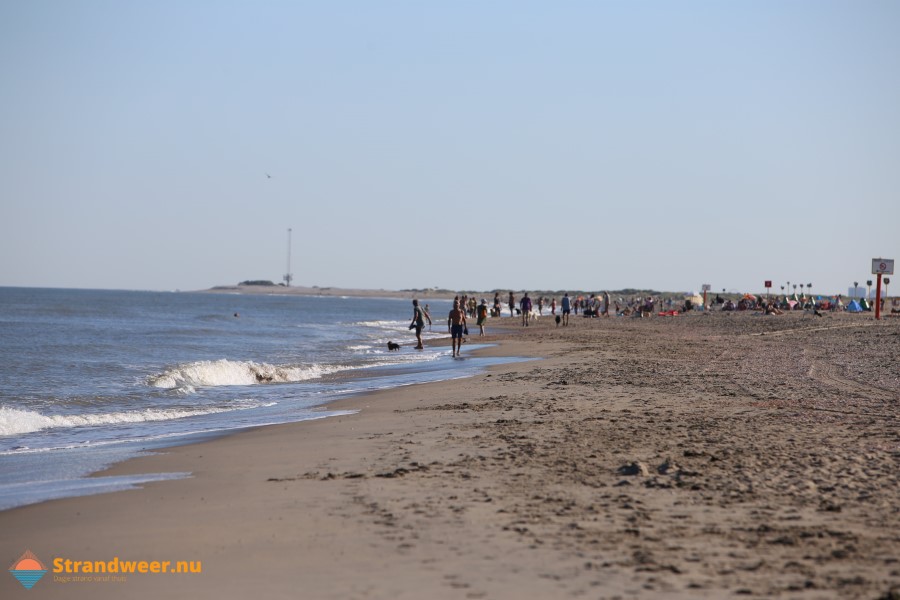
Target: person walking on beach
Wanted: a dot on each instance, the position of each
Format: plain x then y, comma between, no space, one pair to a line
525,306
566,309
497,305
512,305
605,312
420,315
456,322
482,316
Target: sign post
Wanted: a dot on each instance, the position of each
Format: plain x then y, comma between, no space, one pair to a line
767,286
881,266
706,288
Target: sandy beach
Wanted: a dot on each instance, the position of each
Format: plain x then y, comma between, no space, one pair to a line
698,456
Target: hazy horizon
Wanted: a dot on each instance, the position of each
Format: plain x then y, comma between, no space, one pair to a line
774,291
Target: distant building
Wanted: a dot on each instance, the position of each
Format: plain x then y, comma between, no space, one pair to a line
860,292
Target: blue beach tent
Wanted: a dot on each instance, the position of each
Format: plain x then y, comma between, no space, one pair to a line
854,307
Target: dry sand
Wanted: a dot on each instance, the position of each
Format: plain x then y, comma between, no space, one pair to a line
689,457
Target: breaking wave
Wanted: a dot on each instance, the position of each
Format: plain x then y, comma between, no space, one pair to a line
223,372
14,421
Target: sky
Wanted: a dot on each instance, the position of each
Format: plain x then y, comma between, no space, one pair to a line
171,145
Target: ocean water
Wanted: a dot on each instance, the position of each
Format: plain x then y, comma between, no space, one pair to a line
92,377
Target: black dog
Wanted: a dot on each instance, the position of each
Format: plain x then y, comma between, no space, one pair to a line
392,346
558,319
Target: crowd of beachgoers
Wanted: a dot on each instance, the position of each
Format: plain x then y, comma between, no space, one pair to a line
818,304
601,304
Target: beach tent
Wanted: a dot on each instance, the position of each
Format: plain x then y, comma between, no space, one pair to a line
864,304
854,307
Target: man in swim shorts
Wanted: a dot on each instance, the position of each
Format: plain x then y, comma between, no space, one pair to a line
456,322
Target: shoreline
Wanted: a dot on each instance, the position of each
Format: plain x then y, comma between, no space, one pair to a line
184,460
103,477
666,458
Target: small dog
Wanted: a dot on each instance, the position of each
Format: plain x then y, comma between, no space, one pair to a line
558,320
392,346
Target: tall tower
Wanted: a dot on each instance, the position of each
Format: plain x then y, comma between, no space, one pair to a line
288,277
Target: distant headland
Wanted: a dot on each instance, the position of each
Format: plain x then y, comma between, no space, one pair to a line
268,287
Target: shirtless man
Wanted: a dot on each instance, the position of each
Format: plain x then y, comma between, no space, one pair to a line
456,323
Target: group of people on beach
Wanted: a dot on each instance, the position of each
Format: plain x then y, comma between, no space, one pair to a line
467,307
777,305
599,305
457,323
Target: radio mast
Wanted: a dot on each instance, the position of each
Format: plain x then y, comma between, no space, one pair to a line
287,276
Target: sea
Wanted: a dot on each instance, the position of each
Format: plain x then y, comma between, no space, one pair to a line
93,377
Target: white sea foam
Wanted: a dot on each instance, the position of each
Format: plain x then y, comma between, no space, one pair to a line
217,373
15,421
387,324
177,434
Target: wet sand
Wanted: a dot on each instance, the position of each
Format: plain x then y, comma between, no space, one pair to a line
729,455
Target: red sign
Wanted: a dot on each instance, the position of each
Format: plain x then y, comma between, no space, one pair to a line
768,284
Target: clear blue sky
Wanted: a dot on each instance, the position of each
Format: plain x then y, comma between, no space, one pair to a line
466,145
